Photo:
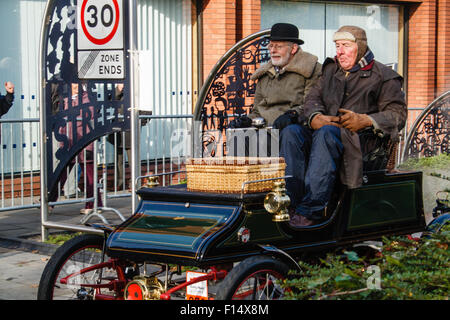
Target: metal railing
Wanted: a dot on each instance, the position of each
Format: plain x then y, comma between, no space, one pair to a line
19,163
159,138
20,166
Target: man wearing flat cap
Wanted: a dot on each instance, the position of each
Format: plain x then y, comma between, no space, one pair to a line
283,81
356,102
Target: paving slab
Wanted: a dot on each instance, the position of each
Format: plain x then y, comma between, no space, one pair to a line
23,256
21,272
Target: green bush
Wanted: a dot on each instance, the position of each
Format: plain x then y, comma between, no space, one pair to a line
60,238
403,269
441,161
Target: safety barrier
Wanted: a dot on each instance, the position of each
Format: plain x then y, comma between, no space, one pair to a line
19,163
20,166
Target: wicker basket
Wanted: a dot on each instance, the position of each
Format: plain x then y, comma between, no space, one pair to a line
226,175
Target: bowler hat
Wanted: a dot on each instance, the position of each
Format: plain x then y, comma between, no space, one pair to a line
285,32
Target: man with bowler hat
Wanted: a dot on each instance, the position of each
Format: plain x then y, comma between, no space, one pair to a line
284,81
356,102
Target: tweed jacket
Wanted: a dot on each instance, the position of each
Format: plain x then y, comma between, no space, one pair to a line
278,92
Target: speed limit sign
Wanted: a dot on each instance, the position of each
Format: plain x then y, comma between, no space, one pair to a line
100,24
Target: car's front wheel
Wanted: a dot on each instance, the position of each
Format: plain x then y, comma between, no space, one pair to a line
256,278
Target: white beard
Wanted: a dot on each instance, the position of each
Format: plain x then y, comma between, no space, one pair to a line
280,61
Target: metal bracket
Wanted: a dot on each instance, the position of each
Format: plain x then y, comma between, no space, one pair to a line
272,249
86,218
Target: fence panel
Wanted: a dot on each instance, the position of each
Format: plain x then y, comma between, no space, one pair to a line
163,148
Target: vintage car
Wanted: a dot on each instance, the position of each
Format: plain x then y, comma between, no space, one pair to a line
237,240
185,244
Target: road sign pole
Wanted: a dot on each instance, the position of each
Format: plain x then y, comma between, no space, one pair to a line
135,145
42,126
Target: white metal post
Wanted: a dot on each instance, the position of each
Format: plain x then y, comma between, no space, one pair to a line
134,103
42,126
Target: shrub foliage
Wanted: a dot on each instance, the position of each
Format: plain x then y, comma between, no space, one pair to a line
403,268
441,161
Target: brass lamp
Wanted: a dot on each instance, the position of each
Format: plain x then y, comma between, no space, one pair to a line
152,182
277,202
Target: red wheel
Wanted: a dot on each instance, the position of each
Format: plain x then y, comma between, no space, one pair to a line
261,285
256,278
75,272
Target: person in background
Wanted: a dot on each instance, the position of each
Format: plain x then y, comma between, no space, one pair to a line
6,102
122,142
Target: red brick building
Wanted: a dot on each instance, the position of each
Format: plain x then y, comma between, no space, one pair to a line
423,37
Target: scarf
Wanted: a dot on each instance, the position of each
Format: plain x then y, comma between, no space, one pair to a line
365,63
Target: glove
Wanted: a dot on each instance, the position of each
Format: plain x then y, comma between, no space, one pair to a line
354,121
240,122
289,117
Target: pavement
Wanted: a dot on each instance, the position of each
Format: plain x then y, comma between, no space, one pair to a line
23,255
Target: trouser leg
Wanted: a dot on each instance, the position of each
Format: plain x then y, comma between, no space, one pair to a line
120,164
90,187
53,195
70,186
89,184
295,143
122,182
320,177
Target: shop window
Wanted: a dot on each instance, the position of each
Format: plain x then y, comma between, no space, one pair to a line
318,21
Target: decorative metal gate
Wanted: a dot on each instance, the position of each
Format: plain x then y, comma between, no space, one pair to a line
86,77
429,135
228,92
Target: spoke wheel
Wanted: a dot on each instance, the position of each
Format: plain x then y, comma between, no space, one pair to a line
66,275
261,285
256,278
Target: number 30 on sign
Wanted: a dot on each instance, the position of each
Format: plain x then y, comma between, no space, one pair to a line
100,24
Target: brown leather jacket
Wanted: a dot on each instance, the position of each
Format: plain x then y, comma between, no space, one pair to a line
376,91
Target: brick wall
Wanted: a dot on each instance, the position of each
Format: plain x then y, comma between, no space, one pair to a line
249,17
224,23
227,21
443,47
421,54
219,29
428,53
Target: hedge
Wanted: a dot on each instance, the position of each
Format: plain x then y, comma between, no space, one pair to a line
402,268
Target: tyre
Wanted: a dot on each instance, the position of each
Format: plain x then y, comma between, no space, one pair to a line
73,256
255,278
437,224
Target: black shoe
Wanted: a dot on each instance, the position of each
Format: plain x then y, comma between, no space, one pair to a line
318,215
297,220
